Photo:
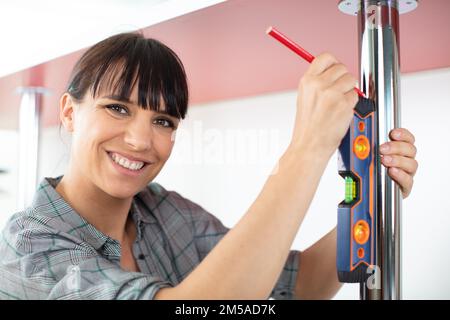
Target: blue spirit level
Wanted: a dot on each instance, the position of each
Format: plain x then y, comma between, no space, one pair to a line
356,227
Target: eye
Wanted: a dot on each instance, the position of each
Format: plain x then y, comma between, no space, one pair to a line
117,108
165,123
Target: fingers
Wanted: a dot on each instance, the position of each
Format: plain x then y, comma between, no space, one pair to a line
333,73
321,63
352,98
329,72
401,134
403,179
345,83
406,164
398,156
400,148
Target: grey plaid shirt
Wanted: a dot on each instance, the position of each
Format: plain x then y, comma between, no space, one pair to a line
48,251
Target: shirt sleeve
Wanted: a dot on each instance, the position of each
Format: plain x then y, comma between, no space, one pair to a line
38,262
284,289
209,230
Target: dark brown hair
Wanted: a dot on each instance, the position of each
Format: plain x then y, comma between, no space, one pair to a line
117,63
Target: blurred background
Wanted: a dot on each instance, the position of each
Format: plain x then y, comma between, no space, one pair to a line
242,107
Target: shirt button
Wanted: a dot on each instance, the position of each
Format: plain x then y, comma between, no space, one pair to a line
141,257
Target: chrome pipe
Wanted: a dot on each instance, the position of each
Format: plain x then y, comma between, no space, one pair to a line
380,80
29,128
379,56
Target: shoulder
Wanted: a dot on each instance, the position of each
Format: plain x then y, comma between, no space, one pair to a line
48,211
46,218
21,230
35,230
29,218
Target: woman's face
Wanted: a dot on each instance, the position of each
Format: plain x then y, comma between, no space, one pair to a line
119,146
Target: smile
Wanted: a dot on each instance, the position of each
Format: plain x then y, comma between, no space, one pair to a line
123,162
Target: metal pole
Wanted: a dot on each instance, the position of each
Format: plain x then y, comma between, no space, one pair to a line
379,56
29,127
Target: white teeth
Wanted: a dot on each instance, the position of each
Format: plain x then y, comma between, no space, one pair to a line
126,163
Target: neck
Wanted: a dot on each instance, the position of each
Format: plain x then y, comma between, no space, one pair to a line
106,213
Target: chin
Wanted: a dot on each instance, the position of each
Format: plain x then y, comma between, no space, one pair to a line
123,191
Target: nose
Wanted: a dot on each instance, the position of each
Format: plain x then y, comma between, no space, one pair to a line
139,135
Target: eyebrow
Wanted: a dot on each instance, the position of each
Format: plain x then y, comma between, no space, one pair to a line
119,98
126,100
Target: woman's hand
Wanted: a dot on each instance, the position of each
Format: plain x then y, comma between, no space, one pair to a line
398,156
325,103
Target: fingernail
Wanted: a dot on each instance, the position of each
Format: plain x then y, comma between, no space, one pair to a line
387,159
397,134
384,148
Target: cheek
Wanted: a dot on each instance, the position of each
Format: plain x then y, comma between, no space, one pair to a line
89,134
163,145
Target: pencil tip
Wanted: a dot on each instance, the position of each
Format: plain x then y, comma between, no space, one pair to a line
269,29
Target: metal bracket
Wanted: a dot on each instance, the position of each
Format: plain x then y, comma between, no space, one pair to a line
352,7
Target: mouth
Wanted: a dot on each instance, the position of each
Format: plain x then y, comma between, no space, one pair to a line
125,165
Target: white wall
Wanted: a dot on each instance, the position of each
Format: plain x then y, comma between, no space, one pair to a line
225,151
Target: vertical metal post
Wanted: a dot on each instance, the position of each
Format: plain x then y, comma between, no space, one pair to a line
29,127
379,56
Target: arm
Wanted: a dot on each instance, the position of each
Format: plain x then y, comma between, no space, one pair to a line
247,262
317,277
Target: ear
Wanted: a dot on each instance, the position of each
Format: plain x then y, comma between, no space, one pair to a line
66,114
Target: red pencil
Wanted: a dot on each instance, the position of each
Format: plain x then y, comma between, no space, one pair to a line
271,31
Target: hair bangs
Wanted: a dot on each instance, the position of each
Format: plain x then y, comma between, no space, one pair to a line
147,63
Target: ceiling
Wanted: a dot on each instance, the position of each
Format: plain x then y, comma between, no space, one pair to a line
228,55
37,31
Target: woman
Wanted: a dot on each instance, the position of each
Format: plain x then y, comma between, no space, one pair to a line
104,231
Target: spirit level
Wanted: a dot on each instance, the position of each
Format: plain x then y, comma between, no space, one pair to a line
356,219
